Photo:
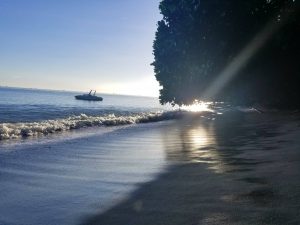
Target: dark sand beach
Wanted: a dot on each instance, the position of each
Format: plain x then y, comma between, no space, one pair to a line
237,169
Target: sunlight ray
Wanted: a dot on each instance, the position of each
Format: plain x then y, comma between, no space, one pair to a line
243,58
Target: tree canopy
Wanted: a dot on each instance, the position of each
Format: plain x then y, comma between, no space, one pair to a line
244,52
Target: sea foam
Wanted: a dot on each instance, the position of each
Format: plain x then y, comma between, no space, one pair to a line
16,130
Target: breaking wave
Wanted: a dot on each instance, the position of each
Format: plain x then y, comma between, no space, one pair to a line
17,130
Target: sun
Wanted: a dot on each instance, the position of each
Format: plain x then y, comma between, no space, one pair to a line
198,106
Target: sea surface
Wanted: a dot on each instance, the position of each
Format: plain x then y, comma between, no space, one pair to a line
35,113
33,105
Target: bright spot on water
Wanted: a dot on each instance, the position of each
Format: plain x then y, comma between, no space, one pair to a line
198,106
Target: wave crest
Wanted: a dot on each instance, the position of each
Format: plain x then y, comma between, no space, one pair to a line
16,130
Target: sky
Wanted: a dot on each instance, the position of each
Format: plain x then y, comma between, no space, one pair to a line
79,45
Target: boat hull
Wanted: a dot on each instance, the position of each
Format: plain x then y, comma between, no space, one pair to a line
88,98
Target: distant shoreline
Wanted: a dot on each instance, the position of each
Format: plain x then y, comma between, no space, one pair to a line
72,91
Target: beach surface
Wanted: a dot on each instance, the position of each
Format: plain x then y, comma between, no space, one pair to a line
234,169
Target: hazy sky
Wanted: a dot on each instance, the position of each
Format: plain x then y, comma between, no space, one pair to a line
79,45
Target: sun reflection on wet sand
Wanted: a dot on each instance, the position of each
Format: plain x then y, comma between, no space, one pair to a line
198,142
193,140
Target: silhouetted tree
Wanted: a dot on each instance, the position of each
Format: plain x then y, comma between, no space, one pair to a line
197,39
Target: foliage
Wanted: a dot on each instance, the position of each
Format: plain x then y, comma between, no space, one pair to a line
197,39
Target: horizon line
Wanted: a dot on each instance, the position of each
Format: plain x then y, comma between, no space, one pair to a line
66,90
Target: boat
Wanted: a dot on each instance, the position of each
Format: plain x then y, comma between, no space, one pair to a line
89,96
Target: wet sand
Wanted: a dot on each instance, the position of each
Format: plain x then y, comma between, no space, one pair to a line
237,169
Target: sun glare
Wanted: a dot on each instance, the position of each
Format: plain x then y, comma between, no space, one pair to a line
198,106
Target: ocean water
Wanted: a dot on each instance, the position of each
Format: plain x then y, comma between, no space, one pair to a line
32,113
63,160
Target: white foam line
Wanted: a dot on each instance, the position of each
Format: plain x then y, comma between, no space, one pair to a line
17,130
